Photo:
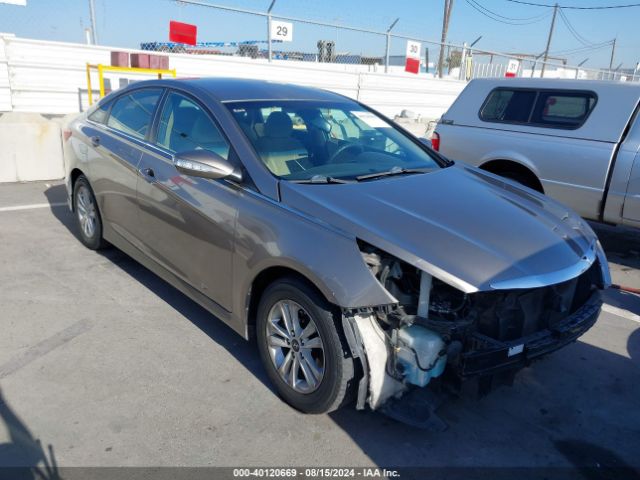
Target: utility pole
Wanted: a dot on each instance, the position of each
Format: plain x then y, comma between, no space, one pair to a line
92,14
613,52
546,50
448,6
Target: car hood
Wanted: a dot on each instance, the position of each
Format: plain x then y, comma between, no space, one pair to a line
464,226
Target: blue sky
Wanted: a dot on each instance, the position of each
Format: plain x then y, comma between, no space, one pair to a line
126,23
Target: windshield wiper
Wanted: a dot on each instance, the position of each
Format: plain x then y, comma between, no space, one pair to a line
322,179
390,173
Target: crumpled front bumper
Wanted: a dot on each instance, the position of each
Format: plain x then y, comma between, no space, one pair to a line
497,356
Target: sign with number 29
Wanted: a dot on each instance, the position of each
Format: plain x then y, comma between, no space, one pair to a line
282,31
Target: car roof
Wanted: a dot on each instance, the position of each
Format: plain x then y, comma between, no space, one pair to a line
241,89
563,83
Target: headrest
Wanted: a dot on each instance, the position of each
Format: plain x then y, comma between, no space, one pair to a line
278,125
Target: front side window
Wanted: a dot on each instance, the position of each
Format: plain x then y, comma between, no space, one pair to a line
513,106
303,139
132,112
185,126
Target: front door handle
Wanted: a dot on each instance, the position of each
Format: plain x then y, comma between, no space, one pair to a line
95,141
148,172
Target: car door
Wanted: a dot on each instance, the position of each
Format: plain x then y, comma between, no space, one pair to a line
630,154
188,223
116,135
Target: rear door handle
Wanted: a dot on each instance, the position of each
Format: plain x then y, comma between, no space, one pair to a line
95,141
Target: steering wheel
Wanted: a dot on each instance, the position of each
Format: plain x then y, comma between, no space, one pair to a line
344,148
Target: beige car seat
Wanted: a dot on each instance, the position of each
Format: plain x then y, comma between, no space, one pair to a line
278,149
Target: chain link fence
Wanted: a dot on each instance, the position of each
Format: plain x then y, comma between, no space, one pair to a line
268,36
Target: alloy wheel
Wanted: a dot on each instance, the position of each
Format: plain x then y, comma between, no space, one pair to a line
86,210
295,346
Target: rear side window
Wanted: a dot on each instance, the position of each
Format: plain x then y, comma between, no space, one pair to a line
131,113
541,108
101,113
568,110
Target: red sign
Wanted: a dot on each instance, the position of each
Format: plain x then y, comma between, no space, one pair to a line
182,33
412,65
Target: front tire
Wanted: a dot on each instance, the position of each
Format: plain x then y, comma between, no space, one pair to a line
304,354
87,215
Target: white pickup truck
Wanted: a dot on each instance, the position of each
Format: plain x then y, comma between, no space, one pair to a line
577,141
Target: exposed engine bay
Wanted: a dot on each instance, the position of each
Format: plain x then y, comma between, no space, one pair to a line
438,334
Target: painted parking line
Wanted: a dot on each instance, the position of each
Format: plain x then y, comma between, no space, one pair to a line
45,346
620,312
33,206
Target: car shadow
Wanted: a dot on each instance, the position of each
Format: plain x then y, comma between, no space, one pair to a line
556,418
209,324
23,457
571,411
621,244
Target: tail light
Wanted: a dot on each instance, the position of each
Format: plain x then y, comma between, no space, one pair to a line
435,141
66,133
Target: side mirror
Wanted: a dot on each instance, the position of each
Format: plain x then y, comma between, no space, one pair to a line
205,164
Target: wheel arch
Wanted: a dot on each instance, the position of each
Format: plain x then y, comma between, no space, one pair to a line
74,174
501,165
268,276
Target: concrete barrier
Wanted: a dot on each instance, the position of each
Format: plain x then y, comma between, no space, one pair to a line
30,148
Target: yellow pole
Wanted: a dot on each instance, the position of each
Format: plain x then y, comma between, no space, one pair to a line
89,85
101,80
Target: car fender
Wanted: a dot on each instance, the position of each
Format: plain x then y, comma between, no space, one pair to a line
269,237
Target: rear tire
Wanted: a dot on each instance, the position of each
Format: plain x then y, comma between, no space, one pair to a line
305,355
87,215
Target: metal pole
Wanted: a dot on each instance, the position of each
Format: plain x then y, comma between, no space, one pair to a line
89,90
463,63
270,51
546,50
388,46
535,63
92,14
613,52
270,54
386,54
448,5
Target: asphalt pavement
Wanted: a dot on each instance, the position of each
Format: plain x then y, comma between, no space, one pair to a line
104,364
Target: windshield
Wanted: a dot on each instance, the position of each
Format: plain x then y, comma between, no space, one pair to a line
304,140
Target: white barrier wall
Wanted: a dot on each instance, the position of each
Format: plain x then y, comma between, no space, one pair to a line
50,78
30,148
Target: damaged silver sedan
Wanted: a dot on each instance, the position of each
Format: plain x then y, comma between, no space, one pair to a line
366,265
